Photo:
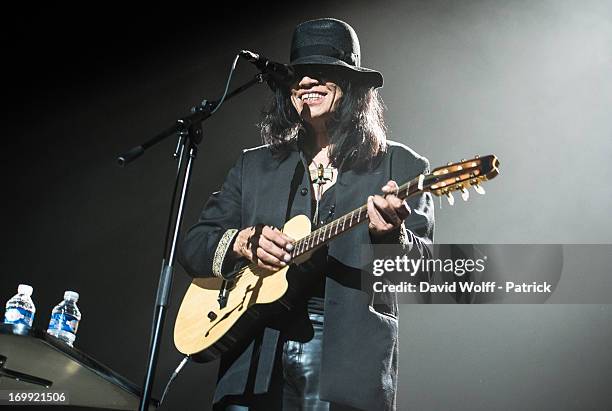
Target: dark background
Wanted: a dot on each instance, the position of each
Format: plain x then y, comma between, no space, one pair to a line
528,81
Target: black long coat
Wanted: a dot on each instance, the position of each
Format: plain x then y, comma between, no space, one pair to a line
360,346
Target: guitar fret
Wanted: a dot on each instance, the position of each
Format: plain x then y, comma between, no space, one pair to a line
336,227
326,232
300,244
339,225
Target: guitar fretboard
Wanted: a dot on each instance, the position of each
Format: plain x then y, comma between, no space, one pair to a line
323,234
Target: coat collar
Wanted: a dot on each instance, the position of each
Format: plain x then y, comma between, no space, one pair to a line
298,146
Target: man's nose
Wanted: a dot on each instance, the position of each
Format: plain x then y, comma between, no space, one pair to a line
307,81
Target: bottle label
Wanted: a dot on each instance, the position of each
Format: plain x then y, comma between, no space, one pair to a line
18,315
64,322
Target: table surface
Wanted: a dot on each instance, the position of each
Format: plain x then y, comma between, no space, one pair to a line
85,381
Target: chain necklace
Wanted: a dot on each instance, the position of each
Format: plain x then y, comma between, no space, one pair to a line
320,176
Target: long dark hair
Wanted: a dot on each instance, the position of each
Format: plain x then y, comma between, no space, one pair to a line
357,128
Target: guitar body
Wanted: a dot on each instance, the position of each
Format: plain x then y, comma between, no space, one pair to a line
205,331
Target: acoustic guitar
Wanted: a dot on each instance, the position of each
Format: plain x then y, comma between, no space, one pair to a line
218,315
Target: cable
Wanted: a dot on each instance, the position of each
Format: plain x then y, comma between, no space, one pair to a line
229,79
173,377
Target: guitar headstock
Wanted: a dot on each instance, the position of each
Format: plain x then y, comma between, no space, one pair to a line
460,176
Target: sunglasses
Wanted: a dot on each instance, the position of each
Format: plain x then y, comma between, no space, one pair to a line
321,73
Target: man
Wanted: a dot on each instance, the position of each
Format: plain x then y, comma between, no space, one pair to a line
326,152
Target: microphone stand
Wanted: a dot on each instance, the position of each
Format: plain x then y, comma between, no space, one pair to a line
189,130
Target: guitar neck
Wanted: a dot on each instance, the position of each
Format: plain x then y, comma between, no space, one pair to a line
339,226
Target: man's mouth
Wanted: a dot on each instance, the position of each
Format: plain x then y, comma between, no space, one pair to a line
312,96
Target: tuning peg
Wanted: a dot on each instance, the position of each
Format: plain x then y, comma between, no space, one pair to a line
478,188
465,194
450,198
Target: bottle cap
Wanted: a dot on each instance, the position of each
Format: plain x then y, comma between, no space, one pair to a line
71,295
25,289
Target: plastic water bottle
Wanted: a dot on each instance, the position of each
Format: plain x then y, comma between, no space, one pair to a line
65,318
20,309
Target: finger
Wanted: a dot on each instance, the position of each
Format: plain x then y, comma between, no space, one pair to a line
278,237
394,201
250,246
267,267
387,212
271,248
268,259
400,207
390,188
253,244
377,223
404,210
246,253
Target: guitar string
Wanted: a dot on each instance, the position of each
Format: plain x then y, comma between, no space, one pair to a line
403,190
299,249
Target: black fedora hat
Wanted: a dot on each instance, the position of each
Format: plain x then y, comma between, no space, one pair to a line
331,42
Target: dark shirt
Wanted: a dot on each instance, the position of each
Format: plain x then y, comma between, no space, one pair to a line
327,206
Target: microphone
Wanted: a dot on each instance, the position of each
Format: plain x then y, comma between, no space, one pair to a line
281,74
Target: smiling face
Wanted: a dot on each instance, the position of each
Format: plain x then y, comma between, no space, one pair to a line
315,98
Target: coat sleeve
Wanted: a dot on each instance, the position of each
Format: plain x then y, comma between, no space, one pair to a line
205,246
418,228
417,232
